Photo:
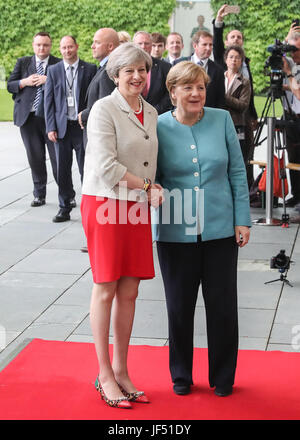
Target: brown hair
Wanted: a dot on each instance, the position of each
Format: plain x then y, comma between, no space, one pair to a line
158,38
42,34
199,34
238,49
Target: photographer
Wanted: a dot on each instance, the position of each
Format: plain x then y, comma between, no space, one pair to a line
236,38
291,67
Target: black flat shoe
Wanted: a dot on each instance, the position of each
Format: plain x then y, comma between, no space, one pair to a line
73,203
61,216
38,201
181,389
223,391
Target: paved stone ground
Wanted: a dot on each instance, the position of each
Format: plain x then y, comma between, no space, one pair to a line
45,280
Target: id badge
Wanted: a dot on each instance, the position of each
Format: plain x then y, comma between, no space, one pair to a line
70,101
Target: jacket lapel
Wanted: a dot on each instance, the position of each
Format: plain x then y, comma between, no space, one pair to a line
80,74
95,78
236,84
32,66
124,106
62,75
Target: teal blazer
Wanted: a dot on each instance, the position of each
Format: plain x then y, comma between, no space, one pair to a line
202,171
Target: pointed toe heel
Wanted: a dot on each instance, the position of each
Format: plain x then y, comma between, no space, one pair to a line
137,396
120,402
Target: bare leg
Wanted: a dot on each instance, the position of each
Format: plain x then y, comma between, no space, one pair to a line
100,311
123,315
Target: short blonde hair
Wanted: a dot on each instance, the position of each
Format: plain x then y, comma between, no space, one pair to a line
125,55
185,72
124,37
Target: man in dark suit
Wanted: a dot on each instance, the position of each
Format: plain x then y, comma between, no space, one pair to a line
174,46
65,92
104,42
203,44
155,92
26,83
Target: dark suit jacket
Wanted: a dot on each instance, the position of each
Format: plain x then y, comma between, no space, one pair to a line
218,52
24,98
100,86
215,93
158,94
55,95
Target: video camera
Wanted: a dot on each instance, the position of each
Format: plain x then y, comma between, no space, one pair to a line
280,261
275,62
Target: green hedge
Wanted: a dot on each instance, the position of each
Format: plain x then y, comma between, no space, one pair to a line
20,20
261,21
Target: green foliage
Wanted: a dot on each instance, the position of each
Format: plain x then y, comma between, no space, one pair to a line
20,20
6,106
261,21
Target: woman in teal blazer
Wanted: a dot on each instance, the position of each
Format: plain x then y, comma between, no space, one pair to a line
204,219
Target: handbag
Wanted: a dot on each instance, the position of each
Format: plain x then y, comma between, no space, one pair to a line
277,181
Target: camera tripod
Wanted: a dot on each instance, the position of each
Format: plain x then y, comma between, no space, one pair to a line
283,278
275,129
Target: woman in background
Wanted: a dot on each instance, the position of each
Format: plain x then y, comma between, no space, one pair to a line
237,93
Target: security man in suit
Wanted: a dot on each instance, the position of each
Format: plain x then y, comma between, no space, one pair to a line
203,44
104,42
65,92
155,92
26,83
174,46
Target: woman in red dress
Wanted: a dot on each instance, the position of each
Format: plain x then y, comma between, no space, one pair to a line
120,166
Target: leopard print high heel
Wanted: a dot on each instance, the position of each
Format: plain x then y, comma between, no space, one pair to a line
120,402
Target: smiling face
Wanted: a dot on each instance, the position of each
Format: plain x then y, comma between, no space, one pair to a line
68,49
189,98
132,80
174,45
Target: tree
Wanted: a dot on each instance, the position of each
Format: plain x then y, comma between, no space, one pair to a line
261,21
19,21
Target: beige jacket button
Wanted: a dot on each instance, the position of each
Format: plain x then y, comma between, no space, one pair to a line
146,164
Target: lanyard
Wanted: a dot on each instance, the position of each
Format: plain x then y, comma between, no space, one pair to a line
73,79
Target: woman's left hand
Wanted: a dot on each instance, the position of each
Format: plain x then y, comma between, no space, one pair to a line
242,235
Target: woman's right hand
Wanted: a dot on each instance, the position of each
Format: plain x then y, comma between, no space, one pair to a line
155,195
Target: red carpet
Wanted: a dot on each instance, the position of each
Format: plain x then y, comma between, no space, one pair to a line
54,381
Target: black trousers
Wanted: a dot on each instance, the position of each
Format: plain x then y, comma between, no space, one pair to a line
34,137
213,264
73,140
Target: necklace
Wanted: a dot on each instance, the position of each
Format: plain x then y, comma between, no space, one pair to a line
141,106
201,114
